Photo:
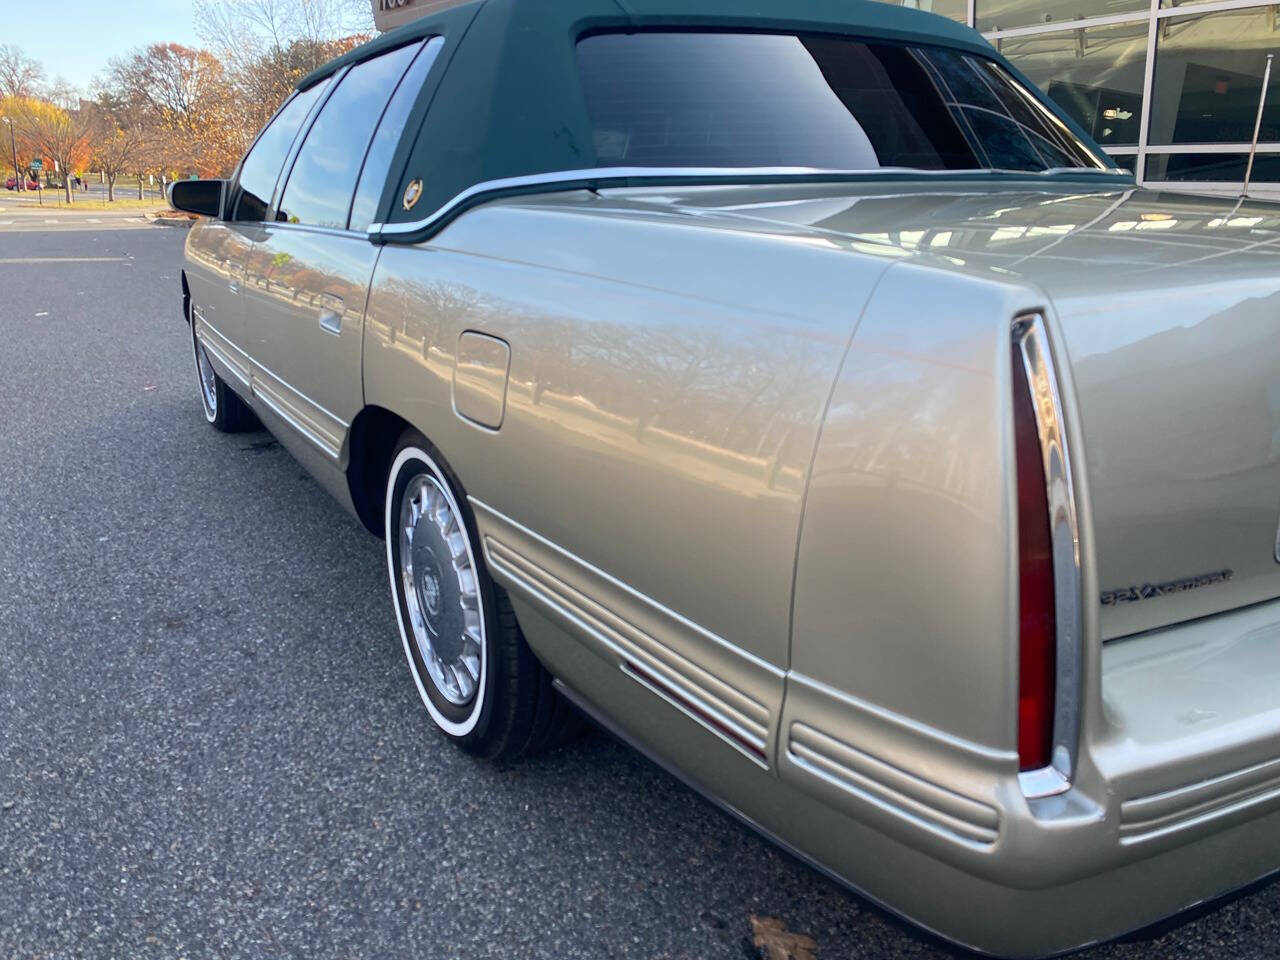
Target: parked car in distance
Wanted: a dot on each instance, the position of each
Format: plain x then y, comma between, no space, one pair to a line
12,184
803,395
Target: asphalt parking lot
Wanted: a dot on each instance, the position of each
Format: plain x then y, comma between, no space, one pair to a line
210,745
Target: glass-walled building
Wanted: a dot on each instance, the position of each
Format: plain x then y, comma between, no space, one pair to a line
1169,87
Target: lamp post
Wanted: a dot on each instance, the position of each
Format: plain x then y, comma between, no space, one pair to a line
18,182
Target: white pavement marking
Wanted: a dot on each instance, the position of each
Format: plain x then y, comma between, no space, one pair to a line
64,260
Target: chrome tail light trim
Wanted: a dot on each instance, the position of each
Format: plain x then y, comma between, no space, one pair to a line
1032,338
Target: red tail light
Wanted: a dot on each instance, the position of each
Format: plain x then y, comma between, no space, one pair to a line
1037,661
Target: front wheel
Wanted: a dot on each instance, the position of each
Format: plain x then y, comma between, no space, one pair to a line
480,682
223,410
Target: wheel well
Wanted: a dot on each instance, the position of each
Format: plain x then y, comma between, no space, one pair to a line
374,433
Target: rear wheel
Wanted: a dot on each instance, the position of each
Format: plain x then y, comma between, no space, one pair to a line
223,409
477,677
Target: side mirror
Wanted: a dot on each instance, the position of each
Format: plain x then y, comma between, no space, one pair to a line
197,196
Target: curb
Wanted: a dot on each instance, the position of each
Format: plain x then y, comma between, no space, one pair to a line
172,221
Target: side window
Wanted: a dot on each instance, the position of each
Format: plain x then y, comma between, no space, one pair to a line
377,165
261,168
323,179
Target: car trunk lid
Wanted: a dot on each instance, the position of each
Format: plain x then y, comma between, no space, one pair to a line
1178,389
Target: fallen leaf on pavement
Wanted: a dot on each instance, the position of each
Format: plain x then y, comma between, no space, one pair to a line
776,942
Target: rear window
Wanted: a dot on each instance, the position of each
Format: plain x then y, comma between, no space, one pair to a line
773,100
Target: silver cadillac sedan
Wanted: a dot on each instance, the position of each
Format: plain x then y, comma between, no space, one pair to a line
803,395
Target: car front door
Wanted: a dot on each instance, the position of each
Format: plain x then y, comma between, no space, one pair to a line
308,275
220,249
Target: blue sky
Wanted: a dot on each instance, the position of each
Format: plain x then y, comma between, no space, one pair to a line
75,38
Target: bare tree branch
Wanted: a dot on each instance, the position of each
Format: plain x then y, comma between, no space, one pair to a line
20,75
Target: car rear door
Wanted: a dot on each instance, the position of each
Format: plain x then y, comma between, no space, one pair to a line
309,271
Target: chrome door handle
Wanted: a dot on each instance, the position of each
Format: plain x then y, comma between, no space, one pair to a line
331,311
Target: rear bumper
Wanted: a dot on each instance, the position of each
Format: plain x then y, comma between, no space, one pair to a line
1176,798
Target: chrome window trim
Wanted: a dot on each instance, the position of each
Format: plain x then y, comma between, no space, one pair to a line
312,228
1032,338
599,177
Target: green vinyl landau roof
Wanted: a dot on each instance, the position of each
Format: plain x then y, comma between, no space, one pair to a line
504,99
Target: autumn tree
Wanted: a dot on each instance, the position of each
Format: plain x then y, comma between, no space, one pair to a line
63,136
20,76
267,46
16,148
120,139
181,96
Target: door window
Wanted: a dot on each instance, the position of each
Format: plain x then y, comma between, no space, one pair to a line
377,164
323,180
261,168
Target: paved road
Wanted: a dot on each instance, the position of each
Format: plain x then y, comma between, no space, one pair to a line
210,746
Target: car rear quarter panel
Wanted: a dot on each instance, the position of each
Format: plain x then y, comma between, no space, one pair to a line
905,595
667,383
901,700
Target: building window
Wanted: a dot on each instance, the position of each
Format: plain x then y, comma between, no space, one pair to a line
1008,14
1212,167
1209,75
1200,96
1095,73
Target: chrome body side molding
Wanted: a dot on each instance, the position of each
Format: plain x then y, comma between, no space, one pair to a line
225,353
898,792
319,427
650,644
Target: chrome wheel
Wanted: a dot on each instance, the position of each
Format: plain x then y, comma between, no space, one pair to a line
208,382
441,592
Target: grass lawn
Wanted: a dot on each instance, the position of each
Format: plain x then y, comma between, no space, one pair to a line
55,200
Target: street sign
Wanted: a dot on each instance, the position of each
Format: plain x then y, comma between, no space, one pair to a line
37,164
